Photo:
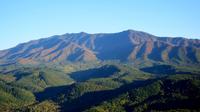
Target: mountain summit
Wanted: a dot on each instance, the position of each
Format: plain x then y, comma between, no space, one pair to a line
127,46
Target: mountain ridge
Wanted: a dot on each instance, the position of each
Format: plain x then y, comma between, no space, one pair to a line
127,46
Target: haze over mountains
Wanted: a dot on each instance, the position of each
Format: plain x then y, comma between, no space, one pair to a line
125,46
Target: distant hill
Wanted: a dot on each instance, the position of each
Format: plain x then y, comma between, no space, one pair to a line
126,46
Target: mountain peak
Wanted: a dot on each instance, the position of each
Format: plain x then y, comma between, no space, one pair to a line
130,30
82,33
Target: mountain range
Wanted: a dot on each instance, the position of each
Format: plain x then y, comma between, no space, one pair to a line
125,46
128,71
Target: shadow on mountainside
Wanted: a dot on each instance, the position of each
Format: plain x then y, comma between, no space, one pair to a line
102,72
163,70
88,99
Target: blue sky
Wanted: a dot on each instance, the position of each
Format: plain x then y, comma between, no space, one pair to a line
24,20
